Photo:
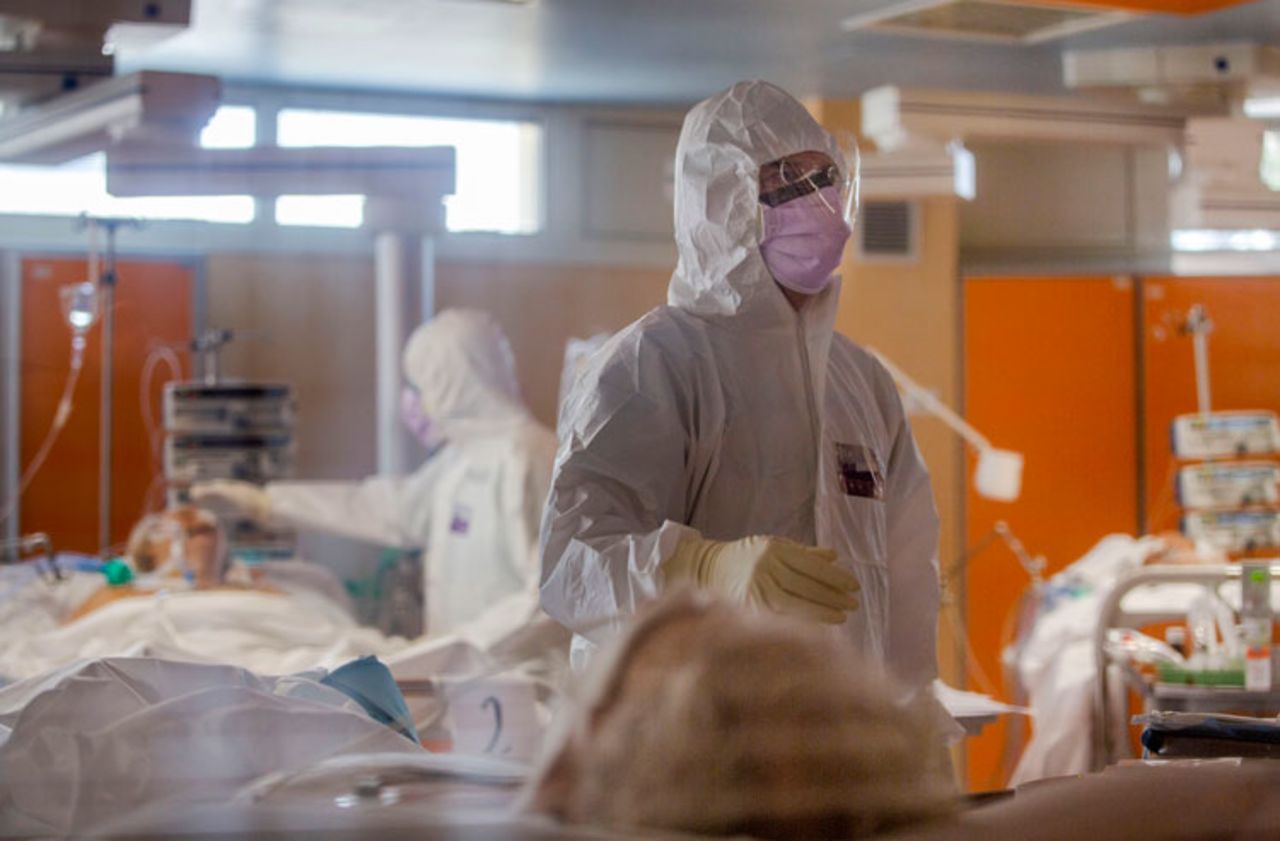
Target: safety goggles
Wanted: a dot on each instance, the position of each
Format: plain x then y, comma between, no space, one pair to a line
813,173
794,179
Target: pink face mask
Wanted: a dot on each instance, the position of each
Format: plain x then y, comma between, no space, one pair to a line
804,240
416,420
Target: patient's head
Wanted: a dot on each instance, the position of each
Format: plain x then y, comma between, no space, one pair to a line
1173,548
710,719
177,541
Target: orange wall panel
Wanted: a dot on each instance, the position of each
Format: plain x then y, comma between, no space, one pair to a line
1049,372
1244,358
153,305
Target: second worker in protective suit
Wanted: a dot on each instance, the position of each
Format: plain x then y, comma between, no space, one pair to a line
472,508
731,440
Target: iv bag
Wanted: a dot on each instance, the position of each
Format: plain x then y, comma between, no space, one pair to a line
79,306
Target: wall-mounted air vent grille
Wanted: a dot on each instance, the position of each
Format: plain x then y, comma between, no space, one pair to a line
887,231
1008,21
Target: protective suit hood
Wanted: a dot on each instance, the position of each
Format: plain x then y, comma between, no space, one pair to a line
724,141
462,365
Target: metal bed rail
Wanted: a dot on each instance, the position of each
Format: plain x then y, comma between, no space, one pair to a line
1113,615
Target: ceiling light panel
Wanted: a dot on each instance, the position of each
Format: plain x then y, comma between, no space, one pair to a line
984,20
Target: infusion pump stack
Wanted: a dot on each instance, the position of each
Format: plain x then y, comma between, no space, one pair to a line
218,428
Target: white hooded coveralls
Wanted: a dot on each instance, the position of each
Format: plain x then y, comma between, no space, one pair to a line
474,506
728,414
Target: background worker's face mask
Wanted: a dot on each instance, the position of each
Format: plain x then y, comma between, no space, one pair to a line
416,419
806,215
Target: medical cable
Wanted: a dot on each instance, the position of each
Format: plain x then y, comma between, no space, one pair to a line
1166,498
165,354
972,667
1034,567
1015,630
60,416
155,440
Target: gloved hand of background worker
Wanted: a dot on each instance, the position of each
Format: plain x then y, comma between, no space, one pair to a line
771,572
245,497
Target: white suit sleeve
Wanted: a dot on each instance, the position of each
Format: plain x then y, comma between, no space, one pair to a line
912,529
619,492
367,510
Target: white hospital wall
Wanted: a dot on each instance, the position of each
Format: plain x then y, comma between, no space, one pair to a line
309,320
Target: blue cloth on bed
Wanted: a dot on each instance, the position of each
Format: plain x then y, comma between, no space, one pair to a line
369,683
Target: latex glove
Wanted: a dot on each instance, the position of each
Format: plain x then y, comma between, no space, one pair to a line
245,497
771,572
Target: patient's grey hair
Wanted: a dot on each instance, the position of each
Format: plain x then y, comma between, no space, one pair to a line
706,718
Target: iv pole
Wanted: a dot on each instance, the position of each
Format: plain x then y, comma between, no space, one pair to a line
106,282
1200,326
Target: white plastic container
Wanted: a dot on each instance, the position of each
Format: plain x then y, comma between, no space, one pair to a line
1255,616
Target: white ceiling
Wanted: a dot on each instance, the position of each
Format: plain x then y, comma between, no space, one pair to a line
634,51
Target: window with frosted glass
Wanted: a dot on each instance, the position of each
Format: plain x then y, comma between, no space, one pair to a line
498,161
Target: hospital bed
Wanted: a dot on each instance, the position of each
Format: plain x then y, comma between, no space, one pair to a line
1177,586
297,626
13,551
444,797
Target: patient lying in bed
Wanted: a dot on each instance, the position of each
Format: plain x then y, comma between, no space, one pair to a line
707,719
184,544
188,603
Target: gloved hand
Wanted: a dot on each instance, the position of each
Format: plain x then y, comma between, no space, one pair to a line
772,572
245,497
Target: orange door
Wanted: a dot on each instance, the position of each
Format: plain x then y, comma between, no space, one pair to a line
153,307
1244,363
1049,368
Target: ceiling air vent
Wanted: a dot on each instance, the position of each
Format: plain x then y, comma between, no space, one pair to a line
888,232
1006,21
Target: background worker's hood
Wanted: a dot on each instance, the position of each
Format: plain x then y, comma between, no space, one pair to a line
462,365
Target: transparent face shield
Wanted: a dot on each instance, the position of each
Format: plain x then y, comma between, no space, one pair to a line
813,178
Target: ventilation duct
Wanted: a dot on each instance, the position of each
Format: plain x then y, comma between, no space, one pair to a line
1171,68
888,232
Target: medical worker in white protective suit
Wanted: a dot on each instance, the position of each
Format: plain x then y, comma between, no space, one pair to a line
731,440
472,508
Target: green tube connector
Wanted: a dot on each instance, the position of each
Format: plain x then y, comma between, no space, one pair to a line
117,572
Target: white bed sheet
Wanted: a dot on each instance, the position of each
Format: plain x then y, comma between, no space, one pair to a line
266,633
105,739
